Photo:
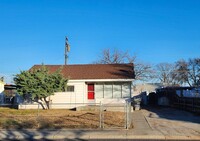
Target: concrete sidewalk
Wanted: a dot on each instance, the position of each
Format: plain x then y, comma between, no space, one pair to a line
142,130
85,135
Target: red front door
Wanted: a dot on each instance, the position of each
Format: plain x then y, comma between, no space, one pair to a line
91,91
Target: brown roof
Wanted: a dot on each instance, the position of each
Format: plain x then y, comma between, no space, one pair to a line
93,71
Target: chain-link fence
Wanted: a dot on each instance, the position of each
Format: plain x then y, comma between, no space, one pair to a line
119,113
85,115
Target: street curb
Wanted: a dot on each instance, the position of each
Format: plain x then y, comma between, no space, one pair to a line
99,136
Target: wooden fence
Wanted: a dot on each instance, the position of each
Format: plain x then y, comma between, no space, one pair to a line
191,104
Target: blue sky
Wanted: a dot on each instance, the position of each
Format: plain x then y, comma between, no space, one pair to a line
33,31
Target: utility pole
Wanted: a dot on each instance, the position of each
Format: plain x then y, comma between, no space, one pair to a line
67,49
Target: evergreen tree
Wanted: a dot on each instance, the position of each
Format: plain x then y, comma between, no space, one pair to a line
40,84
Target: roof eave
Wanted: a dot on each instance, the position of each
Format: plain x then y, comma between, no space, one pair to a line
101,80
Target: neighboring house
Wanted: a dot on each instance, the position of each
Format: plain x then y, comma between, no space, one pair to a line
165,95
1,92
93,83
146,87
1,86
10,95
143,90
188,92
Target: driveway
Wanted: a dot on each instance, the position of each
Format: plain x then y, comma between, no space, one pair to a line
172,122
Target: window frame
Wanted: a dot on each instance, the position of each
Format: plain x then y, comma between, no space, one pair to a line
70,88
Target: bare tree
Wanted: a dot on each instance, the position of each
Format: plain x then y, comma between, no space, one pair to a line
165,74
181,71
194,71
142,70
189,71
115,57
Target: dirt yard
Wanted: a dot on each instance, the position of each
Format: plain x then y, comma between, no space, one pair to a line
34,119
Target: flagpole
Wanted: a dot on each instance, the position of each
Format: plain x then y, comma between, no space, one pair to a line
67,49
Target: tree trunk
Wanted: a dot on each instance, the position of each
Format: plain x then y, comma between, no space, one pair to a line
47,102
37,100
42,105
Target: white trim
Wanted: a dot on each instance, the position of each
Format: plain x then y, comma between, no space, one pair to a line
102,80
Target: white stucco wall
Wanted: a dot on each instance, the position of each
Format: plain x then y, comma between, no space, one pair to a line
1,87
79,97
1,92
68,100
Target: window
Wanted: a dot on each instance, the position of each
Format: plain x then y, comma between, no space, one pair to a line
99,90
117,90
108,90
70,89
113,90
126,90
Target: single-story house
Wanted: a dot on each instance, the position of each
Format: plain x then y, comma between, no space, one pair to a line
93,83
1,91
1,86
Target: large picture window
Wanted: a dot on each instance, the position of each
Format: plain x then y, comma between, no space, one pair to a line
113,90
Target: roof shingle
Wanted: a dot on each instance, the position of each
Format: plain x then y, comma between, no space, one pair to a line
93,71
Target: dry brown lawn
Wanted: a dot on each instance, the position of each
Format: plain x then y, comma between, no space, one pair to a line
34,119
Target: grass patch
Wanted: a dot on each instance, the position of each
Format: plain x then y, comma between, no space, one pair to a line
10,123
54,119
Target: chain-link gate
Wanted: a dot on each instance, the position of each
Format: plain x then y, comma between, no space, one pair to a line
121,112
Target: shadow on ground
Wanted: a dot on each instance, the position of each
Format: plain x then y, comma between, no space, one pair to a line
44,135
171,114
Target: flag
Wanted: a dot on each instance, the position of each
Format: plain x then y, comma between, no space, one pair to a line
67,45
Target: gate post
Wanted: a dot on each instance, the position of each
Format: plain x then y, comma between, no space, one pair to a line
38,110
126,114
100,115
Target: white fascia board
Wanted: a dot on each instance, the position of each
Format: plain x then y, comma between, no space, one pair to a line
102,80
